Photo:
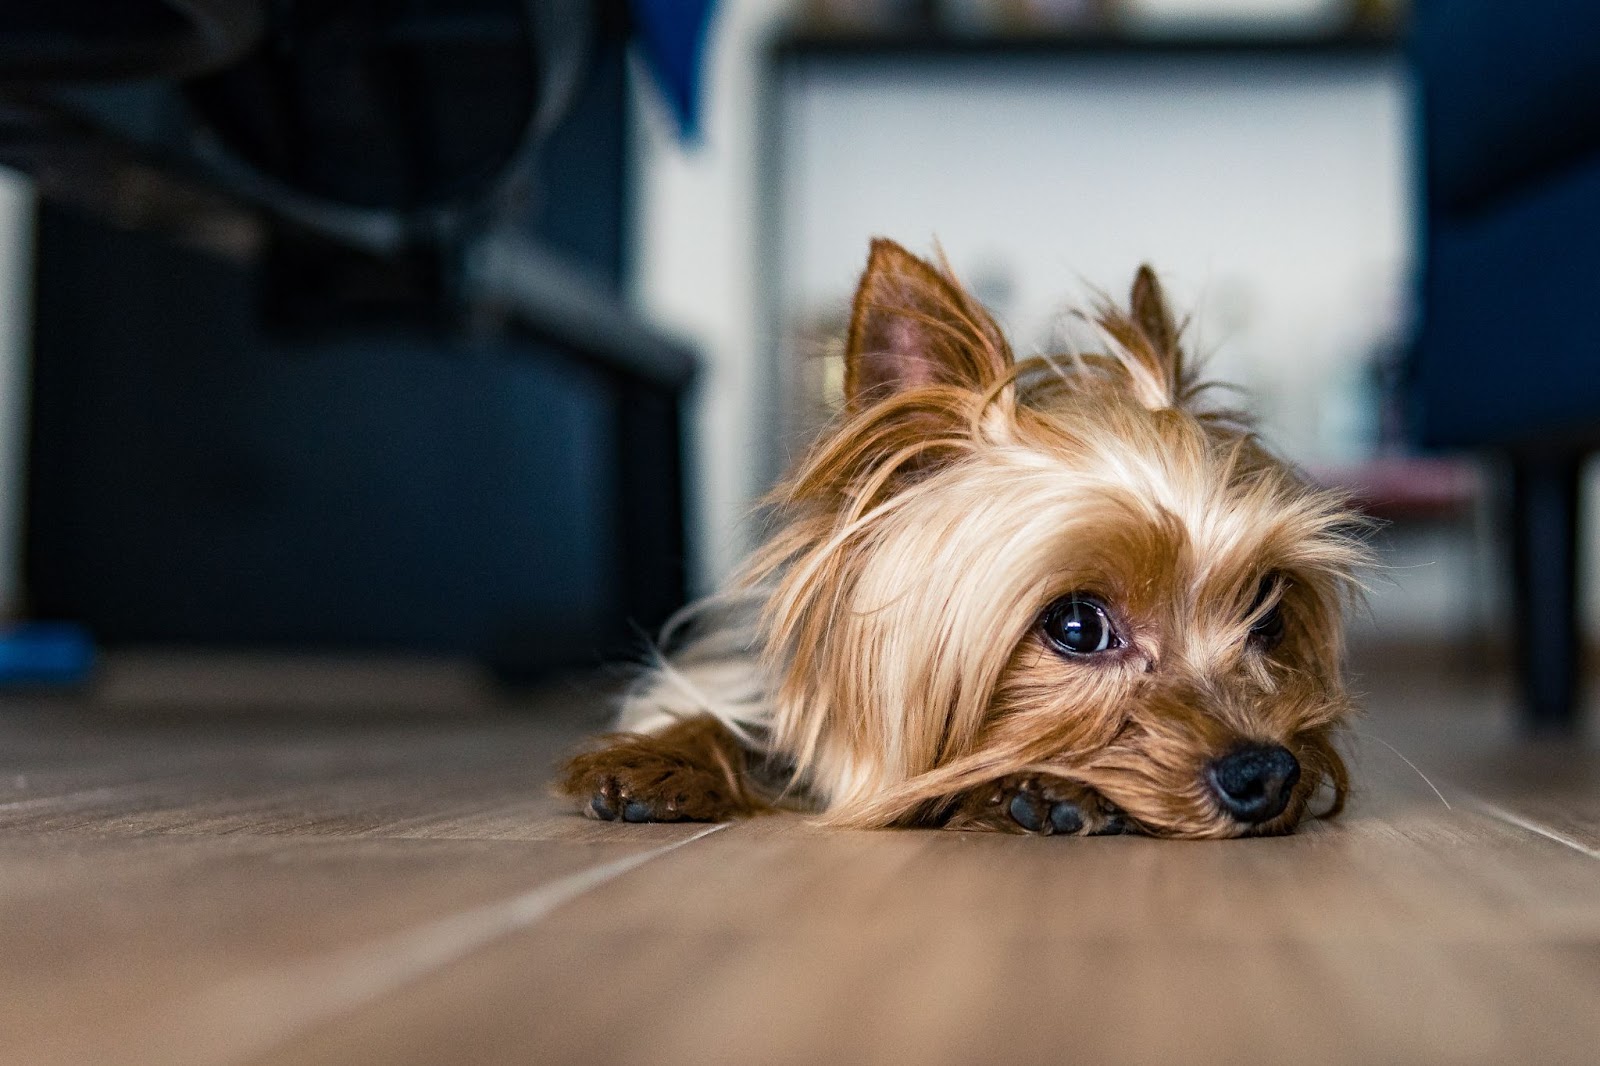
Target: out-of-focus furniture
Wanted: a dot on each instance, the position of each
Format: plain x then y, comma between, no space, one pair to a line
328,343
1508,355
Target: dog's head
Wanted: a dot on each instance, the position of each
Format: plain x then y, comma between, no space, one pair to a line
1072,565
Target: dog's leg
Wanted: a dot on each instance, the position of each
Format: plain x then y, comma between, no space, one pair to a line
1037,803
692,771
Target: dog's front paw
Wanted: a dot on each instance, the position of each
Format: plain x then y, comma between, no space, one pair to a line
644,790
1039,804
688,773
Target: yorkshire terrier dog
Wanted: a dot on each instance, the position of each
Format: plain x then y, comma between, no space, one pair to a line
1067,595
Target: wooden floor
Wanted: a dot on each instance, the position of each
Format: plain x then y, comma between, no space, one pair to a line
257,863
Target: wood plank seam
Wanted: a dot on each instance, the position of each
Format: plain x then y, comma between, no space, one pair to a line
312,993
1512,818
67,799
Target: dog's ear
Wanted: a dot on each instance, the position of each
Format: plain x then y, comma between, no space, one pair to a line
1148,344
913,325
1151,314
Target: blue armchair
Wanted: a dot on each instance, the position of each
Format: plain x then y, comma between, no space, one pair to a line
1508,355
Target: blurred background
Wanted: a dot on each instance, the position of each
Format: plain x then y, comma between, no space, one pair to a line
477,328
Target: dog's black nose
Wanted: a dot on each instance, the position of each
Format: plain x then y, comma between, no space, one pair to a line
1254,783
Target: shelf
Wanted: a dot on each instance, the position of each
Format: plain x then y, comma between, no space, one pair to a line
828,44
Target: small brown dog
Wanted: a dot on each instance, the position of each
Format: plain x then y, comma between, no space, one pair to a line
1066,595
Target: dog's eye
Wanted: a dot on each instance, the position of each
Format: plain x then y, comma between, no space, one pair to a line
1079,625
1267,630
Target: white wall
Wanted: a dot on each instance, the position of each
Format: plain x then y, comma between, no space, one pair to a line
1272,197
697,211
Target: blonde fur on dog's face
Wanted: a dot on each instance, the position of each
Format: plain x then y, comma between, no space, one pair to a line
967,511
1062,596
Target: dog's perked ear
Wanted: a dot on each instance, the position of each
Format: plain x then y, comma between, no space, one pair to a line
1151,314
912,325
1148,343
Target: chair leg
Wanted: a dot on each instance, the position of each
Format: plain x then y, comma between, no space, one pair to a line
1545,515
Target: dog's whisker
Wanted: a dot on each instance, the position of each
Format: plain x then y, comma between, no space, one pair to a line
1401,755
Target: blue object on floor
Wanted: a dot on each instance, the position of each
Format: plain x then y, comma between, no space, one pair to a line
45,653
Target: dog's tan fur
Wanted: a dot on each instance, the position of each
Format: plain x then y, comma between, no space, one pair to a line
883,653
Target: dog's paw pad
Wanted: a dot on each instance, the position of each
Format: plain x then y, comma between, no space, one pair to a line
1034,813
1025,811
1044,806
1065,818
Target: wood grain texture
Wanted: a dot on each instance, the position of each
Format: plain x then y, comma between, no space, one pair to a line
290,884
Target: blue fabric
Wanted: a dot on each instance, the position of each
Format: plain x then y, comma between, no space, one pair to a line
1510,345
1508,351
671,35
1511,92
